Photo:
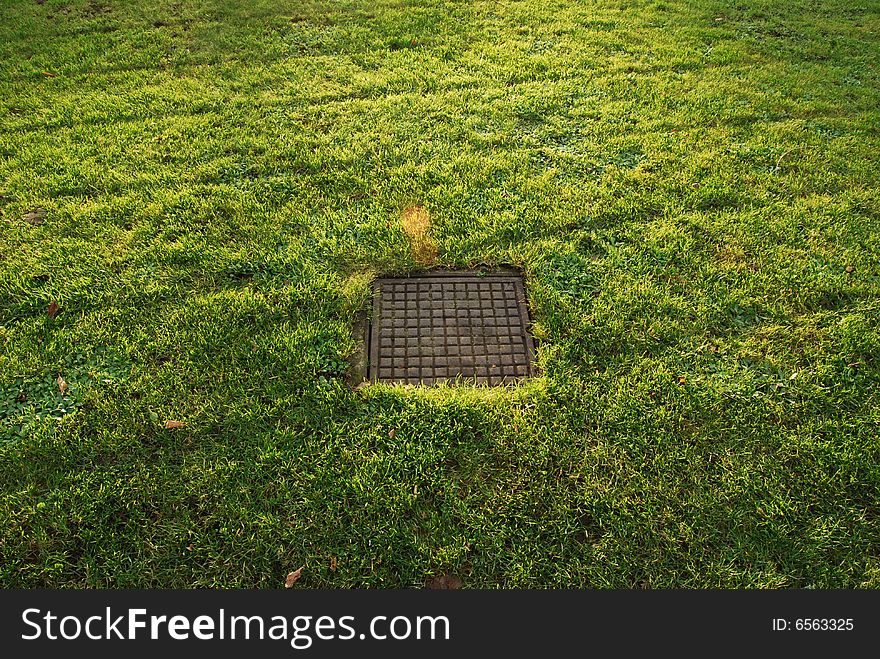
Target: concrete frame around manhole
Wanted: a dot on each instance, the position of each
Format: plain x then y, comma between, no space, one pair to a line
450,326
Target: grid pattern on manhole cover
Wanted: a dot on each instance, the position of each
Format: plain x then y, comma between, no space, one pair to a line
432,329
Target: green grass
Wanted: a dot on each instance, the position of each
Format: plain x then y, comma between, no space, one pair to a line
691,189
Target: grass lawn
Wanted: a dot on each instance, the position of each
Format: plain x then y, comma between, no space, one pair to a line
692,189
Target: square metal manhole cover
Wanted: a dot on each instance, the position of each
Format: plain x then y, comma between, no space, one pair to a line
435,328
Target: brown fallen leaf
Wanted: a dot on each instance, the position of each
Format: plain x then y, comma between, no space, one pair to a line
293,577
62,384
172,425
36,216
850,269
49,74
444,582
333,564
682,379
53,310
392,433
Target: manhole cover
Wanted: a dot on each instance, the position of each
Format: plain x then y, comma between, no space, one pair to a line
436,328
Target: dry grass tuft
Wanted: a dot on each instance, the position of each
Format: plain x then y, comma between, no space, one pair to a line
416,222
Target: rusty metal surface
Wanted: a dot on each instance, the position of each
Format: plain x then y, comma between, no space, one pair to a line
429,329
